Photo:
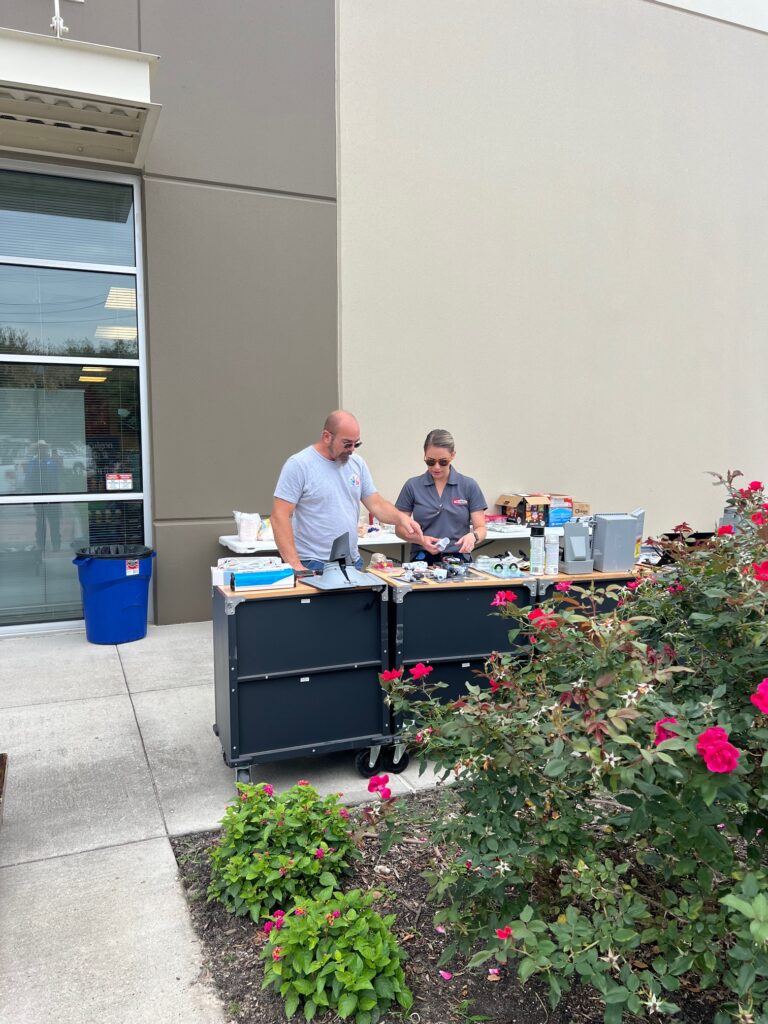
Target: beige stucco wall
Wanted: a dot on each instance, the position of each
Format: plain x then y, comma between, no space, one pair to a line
553,225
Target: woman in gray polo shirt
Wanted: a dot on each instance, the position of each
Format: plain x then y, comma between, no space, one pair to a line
444,503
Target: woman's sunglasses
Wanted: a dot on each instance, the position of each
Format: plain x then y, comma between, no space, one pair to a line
440,462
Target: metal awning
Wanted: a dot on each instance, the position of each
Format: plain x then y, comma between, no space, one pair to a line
66,98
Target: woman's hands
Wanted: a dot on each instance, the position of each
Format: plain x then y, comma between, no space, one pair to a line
466,544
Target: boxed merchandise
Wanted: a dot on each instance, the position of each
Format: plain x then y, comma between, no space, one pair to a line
560,509
581,508
539,507
524,508
223,569
276,578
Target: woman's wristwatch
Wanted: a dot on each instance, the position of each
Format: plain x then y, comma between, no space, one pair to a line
474,534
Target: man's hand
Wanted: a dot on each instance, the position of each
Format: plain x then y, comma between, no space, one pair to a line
410,527
430,544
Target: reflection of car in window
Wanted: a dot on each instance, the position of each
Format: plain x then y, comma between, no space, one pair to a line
75,457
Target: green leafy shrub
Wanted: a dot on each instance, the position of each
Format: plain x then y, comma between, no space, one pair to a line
339,955
275,849
612,791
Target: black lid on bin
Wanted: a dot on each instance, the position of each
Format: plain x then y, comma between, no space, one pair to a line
115,551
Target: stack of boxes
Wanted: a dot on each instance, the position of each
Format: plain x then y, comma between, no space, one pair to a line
540,508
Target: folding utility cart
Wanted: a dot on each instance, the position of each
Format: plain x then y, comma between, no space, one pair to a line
598,580
296,672
449,625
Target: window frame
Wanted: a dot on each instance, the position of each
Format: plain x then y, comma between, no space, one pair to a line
145,495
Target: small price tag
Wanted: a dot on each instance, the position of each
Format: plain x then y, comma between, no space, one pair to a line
132,567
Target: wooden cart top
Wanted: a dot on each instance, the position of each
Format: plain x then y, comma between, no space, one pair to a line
477,579
299,590
591,577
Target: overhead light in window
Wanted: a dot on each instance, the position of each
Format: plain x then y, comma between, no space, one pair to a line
121,298
97,369
116,333
91,380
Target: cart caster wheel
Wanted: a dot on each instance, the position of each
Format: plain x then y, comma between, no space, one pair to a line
388,762
243,775
364,766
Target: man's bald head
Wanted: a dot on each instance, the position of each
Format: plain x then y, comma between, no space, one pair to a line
341,422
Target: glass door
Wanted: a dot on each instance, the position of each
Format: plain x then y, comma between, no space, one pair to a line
72,454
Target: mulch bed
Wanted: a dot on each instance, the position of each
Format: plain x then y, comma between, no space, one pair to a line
231,948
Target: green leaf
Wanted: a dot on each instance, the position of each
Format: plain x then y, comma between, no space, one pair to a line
555,768
309,1009
291,1004
327,878
347,1004
738,904
526,913
526,969
384,987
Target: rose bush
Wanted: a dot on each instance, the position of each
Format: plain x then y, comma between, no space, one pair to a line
612,790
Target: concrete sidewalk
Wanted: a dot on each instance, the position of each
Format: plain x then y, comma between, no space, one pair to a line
111,752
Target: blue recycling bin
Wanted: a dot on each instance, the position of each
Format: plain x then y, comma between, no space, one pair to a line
114,581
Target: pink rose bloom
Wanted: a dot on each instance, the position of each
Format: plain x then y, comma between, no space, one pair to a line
562,586
502,598
633,584
721,757
755,486
303,782
758,519
725,531
319,853
710,736
760,697
662,733
760,571
385,793
504,933
390,674
343,812
267,789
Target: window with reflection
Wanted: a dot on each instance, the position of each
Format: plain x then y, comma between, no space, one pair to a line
38,582
67,313
69,429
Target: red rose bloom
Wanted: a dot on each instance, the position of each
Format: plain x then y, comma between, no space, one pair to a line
760,697
663,734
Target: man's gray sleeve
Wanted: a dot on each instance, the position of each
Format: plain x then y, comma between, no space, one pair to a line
367,486
290,483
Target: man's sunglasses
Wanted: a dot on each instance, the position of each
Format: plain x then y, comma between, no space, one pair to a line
440,462
348,444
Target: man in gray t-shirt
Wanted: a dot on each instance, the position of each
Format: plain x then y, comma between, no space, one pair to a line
318,496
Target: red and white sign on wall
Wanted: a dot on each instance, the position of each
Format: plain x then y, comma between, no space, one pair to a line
119,481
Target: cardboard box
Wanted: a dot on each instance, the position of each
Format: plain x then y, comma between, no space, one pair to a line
524,508
581,508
